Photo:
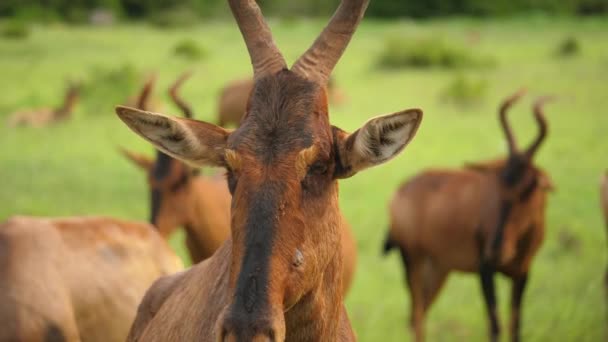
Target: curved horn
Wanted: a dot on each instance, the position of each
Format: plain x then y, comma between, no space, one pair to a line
320,59
144,95
542,125
173,92
265,57
504,108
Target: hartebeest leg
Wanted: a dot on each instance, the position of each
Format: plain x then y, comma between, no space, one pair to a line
415,281
486,273
517,292
434,278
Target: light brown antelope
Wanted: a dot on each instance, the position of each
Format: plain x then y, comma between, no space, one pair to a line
181,197
76,279
279,276
41,117
233,100
487,217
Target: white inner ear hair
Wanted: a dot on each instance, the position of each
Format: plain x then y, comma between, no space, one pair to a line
170,136
382,138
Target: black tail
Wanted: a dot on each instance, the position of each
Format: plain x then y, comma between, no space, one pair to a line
388,244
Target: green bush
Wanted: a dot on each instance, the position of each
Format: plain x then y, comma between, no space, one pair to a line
15,30
106,87
189,49
174,18
400,52
464,91
568,47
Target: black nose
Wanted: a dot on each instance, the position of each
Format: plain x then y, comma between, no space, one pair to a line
247,330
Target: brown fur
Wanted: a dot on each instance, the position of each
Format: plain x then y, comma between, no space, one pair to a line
47,116
233,100
279,276
450,220
76,279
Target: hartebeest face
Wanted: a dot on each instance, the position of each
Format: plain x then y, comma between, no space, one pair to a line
282,166
168,184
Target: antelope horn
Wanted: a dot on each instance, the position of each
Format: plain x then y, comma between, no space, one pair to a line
539,115
504,108
144,95
265,57
320,59
173,92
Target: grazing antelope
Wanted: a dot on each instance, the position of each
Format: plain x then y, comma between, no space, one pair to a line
76,279
46,116
233,100
484,218
279,276
182,197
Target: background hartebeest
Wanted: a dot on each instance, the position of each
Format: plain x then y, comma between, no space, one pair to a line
279,276
485,218
182,197
76,279
233,100
41,117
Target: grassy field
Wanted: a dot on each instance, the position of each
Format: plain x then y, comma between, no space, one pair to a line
74,168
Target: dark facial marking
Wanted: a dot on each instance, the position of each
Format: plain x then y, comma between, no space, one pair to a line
161,170
155,201
251,292
514,170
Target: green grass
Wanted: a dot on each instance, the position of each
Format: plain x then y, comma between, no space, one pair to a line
74,169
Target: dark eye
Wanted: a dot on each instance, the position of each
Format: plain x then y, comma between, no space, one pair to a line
318,168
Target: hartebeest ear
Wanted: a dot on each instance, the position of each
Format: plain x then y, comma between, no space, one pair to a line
140,160
194,142
379,140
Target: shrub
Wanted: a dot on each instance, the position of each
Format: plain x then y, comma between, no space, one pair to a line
15,30
402,52
464,91
108,86
174,18
189,49
568,47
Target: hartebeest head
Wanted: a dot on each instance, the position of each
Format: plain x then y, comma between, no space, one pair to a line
167,177
519,179
282,166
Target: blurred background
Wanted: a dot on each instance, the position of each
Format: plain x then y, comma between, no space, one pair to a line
455,59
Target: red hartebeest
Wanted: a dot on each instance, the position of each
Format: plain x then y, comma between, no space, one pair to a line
76,279
233,100
484,218
180,196
279,276
41,117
